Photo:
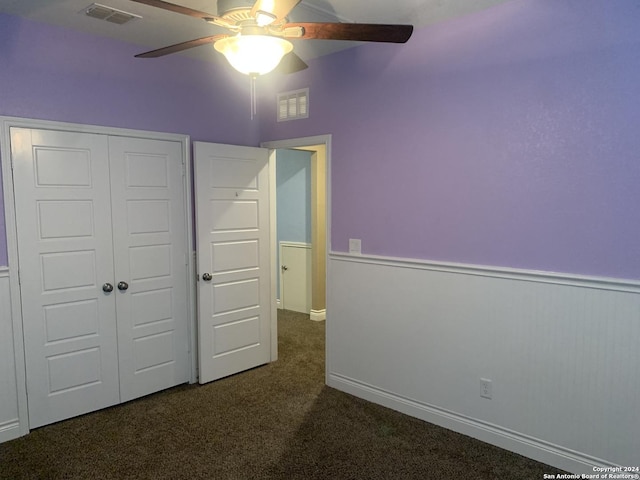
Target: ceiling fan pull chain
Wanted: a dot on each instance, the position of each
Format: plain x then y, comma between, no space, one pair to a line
254,108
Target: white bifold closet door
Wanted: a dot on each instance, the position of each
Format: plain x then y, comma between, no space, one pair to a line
102,263
150,241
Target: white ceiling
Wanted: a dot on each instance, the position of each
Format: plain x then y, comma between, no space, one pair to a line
159,28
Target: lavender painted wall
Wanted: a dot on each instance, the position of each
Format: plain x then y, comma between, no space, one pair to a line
506,138
56,74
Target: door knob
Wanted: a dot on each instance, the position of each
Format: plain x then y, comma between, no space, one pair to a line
284,268
107,287
122,286
206,277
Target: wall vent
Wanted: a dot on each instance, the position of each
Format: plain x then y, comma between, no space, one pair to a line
293,105
110,14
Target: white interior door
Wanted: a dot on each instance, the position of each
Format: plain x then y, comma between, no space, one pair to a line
150,239
295,288
65,254
234,258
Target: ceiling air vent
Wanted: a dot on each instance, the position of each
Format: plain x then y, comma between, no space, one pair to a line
110,14
293,105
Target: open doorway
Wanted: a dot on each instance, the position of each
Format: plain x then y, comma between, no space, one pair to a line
317,151
301,230
294,252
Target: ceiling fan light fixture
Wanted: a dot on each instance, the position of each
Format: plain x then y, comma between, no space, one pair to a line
253,54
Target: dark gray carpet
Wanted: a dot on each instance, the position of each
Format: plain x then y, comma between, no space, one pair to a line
278,421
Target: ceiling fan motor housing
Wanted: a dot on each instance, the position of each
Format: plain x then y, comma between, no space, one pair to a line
235,9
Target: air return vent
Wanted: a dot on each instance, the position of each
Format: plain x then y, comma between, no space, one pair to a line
293,105
113,15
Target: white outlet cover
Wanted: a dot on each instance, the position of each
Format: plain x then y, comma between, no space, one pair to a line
486,390
355,246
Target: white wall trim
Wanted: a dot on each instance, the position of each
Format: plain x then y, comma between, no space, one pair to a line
318,315
286,243
273,242
298,142
530,447
12,427
586,281
192,321
7,122
561,348
12,260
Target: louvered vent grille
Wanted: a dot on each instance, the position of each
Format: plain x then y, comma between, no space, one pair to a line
109,14
293,105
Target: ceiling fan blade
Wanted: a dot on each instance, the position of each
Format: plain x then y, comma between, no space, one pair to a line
172,7
361,32
179,47
279,9
291,63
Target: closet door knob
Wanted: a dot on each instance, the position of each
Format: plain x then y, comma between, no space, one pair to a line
206,277
122,286
107,287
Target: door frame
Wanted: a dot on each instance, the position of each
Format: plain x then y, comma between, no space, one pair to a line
304,143
6,123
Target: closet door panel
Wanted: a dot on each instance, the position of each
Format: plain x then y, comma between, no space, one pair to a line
63,212
150,238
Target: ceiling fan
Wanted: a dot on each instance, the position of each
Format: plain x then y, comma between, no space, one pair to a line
259,33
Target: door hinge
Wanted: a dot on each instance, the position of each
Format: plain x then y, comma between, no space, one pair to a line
19,279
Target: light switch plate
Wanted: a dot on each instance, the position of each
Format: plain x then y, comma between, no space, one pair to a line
355,246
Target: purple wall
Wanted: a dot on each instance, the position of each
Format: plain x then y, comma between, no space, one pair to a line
56,74
509,138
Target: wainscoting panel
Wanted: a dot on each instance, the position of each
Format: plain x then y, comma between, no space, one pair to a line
9,418
561,352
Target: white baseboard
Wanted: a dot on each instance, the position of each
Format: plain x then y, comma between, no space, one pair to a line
318,315
493,434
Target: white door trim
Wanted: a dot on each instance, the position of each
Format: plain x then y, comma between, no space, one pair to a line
6,123
297,143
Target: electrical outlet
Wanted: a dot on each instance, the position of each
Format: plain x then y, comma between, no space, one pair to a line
355,246
486,390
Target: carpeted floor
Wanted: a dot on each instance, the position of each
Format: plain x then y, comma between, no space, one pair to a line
278,421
